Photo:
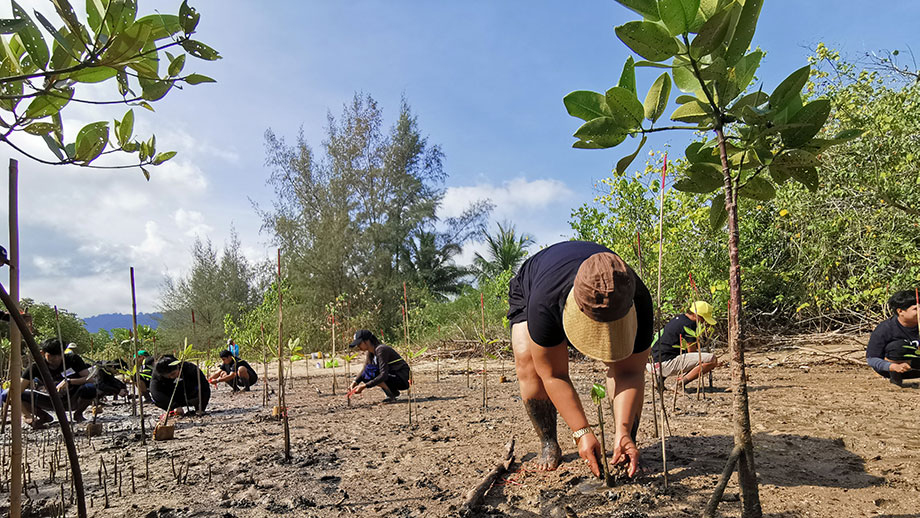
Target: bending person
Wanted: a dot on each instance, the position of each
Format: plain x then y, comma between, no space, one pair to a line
75,380
895,339
580,294
175,385
383,367
677,337
234,372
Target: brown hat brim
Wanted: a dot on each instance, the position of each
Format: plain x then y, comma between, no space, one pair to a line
605,341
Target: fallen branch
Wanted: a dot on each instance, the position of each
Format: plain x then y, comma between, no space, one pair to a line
837,356
716,497
475,496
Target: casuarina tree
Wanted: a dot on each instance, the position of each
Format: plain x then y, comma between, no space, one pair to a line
759,140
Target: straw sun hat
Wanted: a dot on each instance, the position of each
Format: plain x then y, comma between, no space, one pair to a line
599,317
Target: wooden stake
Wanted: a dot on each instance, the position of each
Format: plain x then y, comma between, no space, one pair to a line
281,402
15,351
136,348
664,172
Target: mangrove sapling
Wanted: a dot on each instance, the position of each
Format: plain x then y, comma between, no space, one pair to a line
598,395
282,409
411,355
295,353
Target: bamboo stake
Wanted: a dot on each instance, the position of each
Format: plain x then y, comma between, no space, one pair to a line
664,172
333,348
265,369
15,351
482,311
408,347
57,321
700,394
281,402
136,374
651,362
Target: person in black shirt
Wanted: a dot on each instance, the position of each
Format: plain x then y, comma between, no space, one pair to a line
144,362
581,294
234,372
895,340
383,367
675,352
182,378
75,380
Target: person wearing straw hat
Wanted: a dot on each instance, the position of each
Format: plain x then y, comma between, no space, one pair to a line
581,294
678,336
892,349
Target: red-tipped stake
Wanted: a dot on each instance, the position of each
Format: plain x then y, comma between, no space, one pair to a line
664,172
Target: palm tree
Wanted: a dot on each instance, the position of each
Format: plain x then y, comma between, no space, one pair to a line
428,260
507,250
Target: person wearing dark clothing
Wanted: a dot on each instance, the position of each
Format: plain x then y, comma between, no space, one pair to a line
145,363
185,379
675,352
383,367
234,372
69,373
895,340
580,294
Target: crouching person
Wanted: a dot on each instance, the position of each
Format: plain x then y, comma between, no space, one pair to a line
70,374
176,385
676,352
234,372
892,350
383,367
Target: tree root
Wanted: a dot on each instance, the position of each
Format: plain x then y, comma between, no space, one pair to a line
475,496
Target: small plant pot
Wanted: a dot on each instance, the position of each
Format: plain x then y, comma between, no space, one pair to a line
93,429
503,379
164,432
277,410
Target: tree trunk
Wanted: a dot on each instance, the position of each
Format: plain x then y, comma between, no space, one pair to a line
747,475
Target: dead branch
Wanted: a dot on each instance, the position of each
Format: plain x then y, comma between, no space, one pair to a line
475,496
710,510
836,356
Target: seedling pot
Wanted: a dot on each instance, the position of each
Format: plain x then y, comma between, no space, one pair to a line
164,432
503,379
277,410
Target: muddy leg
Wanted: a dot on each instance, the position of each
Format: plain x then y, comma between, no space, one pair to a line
539,408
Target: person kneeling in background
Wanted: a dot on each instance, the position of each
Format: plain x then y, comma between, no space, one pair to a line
185,379
75,380
677,337
892,348
383,366
234,372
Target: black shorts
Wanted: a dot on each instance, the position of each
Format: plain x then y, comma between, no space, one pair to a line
517,306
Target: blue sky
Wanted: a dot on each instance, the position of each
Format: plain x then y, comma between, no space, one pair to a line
485,77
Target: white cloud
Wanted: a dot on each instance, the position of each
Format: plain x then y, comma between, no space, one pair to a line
512,199
191,223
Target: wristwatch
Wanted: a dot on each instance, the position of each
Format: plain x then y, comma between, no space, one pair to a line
578,434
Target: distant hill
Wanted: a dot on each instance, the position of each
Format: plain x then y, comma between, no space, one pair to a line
113,320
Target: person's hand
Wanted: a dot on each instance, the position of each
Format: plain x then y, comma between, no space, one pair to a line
61,386
900,367
360,388
590,450
626,452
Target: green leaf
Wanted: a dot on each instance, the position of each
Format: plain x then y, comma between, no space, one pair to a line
598,393
188,18
54,146
744,31
647,39
154,90
161,25
586,105
758,188
93,74
584,144
126,45
146,173
684,99
712,34
8,26
162,157
717,213
66,12
806,123
701,178
91,141
58,37
790,88
628,76
656,101
603,131
686,81
48,104
700,152
176,65
145,104
31,37
796,158
754,99
200,50
39,128
807,176
625,108
126,129
624,162
678,15
647,8
94,13
849,134
194,79
692,112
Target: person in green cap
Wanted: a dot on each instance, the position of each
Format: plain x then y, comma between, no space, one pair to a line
144,362
676,351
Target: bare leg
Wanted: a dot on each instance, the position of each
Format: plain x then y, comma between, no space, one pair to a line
699,369
539,408
637,402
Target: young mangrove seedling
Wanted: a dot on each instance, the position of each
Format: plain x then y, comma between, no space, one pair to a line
598,395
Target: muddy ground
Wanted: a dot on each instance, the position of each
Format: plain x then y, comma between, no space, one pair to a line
832,439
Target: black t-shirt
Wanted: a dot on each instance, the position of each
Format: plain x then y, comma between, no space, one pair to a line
75,365
666,348
190,378
888,341
545,280
234,365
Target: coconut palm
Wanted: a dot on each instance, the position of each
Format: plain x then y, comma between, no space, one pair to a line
428,260
506,250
